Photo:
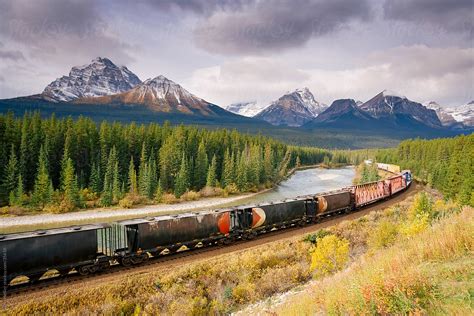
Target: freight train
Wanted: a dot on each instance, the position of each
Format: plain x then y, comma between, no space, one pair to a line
91,248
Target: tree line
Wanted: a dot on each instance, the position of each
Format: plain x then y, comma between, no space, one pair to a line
64,161
446,164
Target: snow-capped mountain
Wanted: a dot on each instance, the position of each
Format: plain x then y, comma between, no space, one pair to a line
100,77
445,118
463,113
391,105
160,95
292,109
248,109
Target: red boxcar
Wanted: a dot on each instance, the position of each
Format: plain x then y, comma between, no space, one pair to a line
370,192
397,184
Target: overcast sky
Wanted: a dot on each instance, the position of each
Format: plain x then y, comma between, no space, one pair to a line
228,51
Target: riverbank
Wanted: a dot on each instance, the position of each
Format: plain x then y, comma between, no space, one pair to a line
44,221
302,181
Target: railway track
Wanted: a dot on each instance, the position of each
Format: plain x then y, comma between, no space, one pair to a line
24,289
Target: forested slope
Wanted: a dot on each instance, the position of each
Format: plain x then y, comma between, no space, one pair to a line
446,164
65,162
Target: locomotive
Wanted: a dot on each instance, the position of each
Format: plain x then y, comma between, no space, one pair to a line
91,248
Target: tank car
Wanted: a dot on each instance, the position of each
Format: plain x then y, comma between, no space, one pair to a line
31,254
267,216
328,203
155,234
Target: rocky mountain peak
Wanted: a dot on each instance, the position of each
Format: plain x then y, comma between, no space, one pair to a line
393,105
99,78
292,109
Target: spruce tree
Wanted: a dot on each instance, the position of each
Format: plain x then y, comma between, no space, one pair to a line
94,182
132,178
69,184
107,192
43,188
143,176
200,166
10,179
211,173
182,180
228,169
17,197
116,184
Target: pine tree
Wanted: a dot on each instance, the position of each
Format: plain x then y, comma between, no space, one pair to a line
143,176
43,188
228,169
182,180
200,167
132,178
211,173
116,184
69,184
10,179
159,193
241,174
17,197
94,182
268,163
298,162
107,193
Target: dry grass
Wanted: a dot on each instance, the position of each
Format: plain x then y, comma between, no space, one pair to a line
430,273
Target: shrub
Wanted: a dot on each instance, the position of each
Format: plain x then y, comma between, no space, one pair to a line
190,196
313,238
330,255
383,235
415,226
421,207
169,198
210,191
231,189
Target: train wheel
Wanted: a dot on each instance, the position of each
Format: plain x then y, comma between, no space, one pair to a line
126,261
83,270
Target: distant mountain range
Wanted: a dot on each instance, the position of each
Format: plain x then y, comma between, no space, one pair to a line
104,90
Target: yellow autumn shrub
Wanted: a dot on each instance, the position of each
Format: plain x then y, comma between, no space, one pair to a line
330,255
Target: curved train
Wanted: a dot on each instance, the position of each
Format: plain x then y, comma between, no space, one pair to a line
92,248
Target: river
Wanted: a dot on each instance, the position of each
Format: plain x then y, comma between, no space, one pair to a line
302,182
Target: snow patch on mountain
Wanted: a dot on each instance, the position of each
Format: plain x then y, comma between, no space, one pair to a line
249,109
99,78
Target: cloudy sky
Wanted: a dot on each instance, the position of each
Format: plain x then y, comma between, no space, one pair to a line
244,50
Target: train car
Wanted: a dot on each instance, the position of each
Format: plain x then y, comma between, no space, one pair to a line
397,184
31,254
407,175
156,234
389,167
371,192
328,203
267,216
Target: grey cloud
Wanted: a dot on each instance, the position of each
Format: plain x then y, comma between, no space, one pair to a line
197,6
35,20
11,54
454,16
269,25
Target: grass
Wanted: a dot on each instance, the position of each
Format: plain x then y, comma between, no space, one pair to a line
429,273
426,272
